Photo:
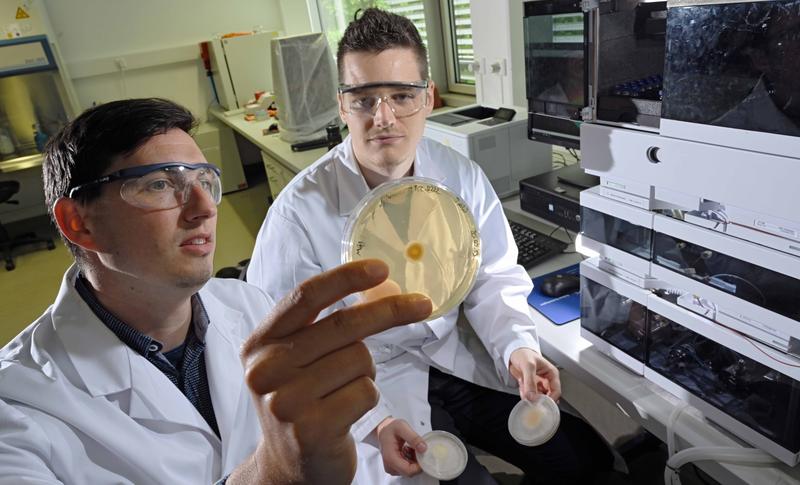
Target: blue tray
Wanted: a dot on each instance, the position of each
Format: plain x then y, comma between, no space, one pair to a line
559,310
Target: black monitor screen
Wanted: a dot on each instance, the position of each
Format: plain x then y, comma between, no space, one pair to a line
735,65
555,63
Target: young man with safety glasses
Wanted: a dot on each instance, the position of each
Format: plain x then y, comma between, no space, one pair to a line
427,377
134,375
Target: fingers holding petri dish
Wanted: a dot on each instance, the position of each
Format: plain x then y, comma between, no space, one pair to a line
388,288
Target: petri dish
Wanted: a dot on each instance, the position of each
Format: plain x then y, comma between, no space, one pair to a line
446,456
426,235
532,423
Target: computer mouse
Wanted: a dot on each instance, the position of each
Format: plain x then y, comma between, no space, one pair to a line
560,285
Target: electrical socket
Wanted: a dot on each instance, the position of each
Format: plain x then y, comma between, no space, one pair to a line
499,67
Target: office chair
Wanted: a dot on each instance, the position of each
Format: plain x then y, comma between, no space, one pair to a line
238,272
7,244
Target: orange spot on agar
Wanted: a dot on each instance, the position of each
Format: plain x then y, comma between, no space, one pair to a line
414,251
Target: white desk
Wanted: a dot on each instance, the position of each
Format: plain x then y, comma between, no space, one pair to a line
640,399
280,162
271,144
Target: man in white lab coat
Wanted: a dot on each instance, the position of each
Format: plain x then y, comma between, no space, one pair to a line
429,377
133,375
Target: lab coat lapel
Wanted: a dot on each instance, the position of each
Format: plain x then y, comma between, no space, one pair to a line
425,167
229,393
350,182
101,360
107,366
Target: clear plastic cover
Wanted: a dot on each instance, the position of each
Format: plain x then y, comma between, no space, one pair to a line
750,282
532,423
762,398
618,320
425,234
446,456
616,232
304,79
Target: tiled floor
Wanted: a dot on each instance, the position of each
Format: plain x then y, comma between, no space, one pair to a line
27,291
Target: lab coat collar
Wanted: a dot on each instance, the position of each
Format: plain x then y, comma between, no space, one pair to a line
107,366
223,367
101,359
353,187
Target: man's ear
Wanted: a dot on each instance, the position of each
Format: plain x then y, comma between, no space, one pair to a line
340,102
71,221
431,97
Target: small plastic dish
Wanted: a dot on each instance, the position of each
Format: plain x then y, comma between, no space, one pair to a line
446,456
426,235
532,423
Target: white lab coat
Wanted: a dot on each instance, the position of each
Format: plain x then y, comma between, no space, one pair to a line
301,237
79,406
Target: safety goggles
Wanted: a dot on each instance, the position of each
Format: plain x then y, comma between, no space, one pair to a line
161,185
404,98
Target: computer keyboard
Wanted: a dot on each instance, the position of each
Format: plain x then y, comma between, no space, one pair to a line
534,247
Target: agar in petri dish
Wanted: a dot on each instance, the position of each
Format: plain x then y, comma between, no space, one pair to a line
532,423
446,456
426,235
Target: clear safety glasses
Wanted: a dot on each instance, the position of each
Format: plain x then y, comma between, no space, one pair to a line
162,185
404,99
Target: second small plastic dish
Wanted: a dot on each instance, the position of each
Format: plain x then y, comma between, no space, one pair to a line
426,235
446,456
532,423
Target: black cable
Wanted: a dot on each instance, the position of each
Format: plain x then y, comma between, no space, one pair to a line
565,230
574,154
554,231
563,161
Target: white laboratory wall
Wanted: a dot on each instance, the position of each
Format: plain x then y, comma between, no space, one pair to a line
118,49
498,43
517,52
296,16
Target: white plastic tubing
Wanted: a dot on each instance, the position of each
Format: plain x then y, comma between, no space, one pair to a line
726,454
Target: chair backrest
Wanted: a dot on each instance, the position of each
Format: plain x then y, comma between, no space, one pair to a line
7,189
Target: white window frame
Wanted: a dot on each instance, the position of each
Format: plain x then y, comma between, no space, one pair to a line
449,50
440,52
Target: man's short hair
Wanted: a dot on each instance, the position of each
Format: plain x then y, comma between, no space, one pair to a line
84,149
376,31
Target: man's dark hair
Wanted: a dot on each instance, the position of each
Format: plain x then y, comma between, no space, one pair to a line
376,31
84,149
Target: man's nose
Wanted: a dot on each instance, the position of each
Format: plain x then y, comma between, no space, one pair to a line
384,114
198,203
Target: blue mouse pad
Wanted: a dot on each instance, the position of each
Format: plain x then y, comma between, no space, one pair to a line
559,310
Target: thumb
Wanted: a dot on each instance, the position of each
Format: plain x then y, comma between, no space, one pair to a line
529,388
403,430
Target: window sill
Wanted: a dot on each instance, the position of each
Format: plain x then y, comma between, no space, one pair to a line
455,100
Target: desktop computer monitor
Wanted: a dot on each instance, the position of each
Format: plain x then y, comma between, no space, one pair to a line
304,79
